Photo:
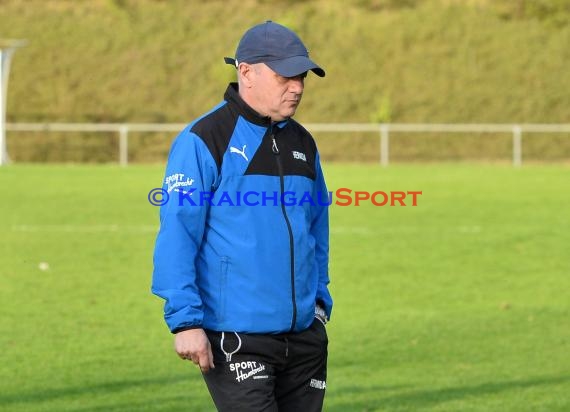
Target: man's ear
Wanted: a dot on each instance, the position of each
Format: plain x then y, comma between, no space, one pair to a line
246,74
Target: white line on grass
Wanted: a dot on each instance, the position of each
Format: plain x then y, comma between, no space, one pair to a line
352,230
335,230
86,228
368,231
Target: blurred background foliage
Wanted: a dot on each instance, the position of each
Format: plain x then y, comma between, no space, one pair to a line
386,60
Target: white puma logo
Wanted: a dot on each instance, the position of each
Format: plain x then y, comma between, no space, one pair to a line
241,152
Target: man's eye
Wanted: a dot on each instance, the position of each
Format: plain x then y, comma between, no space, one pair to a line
299,77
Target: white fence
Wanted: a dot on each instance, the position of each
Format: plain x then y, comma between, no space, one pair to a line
382,130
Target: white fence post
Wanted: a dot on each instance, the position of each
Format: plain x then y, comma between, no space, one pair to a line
7,49
3,154
124,145
384,145
517,146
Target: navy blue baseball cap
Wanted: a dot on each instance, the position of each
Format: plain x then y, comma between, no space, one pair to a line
276,46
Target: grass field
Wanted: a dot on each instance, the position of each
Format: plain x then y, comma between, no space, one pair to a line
458,304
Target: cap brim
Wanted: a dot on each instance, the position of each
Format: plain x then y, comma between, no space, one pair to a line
294,66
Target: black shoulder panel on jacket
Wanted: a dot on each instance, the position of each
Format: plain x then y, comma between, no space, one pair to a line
216,129
297,150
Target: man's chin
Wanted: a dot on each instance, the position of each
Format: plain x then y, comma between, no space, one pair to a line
284,114
289,113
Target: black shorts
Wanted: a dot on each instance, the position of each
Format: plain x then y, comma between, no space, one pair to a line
285,372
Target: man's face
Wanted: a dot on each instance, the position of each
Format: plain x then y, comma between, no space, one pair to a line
274,95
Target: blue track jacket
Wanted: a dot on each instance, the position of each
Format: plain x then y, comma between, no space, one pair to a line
238,250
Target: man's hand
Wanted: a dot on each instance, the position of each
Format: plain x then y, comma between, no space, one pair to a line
193,344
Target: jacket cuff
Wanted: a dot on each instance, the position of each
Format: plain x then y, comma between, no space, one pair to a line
320,313
183,328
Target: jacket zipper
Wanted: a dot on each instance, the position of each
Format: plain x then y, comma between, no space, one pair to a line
276,152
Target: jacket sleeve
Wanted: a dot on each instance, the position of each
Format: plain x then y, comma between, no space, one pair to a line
190,170
320,231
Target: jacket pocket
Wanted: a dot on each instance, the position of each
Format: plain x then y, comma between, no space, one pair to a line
222,293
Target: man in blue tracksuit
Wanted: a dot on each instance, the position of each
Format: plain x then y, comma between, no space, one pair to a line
241,257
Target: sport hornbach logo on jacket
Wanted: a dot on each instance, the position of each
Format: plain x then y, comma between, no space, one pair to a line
177,180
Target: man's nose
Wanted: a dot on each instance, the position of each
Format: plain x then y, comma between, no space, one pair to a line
296,84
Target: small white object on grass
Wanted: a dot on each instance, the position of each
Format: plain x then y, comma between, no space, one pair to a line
43,266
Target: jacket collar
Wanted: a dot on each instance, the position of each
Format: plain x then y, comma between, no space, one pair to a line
233,98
